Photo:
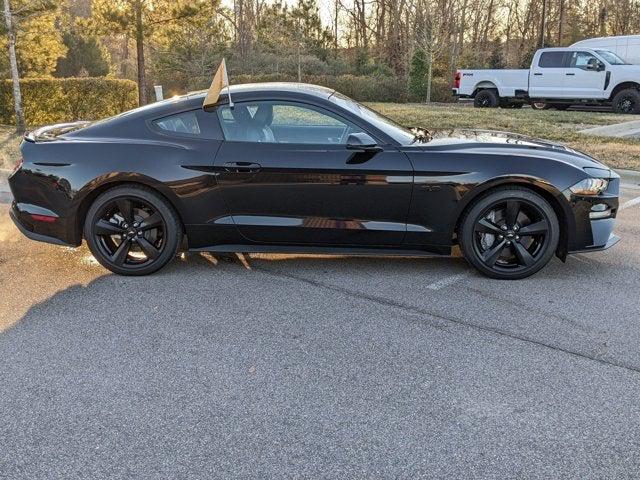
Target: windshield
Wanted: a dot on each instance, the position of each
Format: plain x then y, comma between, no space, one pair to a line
611,57
397,132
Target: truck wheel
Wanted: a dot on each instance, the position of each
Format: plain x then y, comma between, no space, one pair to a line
627,101
486,99
540,106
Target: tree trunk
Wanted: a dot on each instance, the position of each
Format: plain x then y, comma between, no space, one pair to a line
142,81
543,27
561,23
13,63
429,74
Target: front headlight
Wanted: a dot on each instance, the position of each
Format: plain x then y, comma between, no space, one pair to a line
590,186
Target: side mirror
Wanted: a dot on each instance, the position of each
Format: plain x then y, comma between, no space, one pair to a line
594,65
362,141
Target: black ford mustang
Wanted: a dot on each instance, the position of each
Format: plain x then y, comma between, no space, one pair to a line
301,168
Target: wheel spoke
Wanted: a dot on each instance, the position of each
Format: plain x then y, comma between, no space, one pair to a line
151,221
536,228
491,256
513,209
487,226
104,227
524,257
120,255
126,210
149,250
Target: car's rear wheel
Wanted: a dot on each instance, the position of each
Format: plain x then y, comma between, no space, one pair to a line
510,233
131,230
486,98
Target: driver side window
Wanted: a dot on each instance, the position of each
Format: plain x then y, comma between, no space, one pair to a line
283,122
581,60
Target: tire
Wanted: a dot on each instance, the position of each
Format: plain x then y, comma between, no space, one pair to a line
627,101
132,230
486,99
540,106
502,248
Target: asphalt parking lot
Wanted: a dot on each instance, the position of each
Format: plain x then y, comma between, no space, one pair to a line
319,367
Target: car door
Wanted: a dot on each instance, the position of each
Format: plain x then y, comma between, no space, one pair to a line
288,176
584,76
546,77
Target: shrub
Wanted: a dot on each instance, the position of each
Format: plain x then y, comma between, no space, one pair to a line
418,73
361,88
54,100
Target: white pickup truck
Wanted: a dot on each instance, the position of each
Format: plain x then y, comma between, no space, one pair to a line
558,78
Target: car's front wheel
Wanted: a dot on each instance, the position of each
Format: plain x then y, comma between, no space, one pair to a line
131,230
510,233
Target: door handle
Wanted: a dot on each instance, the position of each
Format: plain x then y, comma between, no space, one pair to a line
537,74
242,167
570,74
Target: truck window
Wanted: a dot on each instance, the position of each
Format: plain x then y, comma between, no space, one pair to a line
551,60
581,59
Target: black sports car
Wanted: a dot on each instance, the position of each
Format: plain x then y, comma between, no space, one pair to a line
301,168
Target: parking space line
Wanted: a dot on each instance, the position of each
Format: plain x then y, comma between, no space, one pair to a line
447,281
381,300
631,203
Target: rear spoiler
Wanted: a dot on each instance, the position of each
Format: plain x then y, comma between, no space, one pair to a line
52,132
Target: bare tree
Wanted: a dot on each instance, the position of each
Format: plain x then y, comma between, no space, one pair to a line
13,65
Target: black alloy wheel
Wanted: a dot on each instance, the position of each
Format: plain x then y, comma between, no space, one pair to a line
627,101
486,99
132,231
510,233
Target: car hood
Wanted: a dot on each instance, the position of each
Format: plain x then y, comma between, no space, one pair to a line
489,141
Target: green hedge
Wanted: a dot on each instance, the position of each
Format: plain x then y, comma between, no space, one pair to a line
54,100
361,88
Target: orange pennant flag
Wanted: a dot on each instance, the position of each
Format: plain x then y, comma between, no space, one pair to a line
220,80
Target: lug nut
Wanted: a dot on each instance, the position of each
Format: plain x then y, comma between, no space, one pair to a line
503,227
500,237
508,242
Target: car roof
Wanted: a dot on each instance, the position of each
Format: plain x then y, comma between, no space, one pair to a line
241,92
262,88
247,91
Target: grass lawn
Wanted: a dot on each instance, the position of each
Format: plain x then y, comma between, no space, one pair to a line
553,125
547,124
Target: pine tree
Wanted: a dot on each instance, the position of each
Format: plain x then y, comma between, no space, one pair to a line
418,76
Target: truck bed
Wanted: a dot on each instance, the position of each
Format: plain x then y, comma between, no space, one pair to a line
506,81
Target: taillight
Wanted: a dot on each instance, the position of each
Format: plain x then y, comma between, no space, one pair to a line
44,218
18,164
456,80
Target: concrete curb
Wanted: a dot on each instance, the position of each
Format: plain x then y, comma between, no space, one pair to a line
629,129
629,176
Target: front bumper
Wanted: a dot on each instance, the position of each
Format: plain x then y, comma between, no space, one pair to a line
593,219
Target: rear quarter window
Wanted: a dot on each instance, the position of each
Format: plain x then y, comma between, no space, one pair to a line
193,123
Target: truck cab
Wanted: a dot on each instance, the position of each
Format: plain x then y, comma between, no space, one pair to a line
559,77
